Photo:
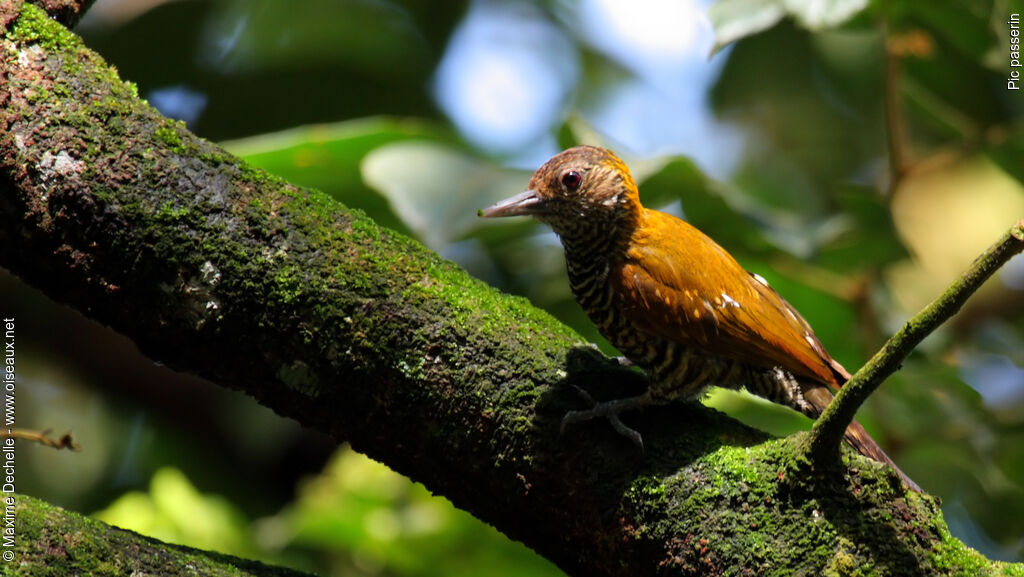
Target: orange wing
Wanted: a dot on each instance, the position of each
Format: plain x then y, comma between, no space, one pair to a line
704,298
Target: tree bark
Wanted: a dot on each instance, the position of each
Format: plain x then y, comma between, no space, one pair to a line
217,268
52,541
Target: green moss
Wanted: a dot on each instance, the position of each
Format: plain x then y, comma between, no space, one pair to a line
741,463
761,506
169,213
103,194
490,313
952,557
412,368
52,541
170,136
257,218
288,285
646,495
33,26
845,563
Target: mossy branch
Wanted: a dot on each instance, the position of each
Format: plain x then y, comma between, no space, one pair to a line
827,432
52,541
216,268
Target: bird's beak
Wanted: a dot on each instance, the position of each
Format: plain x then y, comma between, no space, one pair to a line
523,203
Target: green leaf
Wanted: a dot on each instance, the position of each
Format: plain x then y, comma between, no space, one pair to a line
436,190
759,413
736,19
328,157
822,14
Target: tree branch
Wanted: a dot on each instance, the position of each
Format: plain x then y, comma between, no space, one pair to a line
65,441
214,267
65,543
827,432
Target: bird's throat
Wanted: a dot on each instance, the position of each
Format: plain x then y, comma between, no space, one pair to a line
590,239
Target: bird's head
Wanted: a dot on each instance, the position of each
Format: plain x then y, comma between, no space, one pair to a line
585,187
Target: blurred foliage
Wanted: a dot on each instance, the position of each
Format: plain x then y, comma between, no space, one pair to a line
355,518
364,519
254,59
830,98
174,511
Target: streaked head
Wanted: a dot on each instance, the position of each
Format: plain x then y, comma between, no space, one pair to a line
581,186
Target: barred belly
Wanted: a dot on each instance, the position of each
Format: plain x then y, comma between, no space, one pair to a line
676,370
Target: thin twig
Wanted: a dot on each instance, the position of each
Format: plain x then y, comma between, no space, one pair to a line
827,433
65,441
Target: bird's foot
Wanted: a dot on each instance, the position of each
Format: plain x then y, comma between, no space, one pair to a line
623,361
609,410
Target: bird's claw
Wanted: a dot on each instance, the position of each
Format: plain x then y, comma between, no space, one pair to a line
609,410
623,361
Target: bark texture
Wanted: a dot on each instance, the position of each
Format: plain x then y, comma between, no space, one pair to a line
219,269
52,541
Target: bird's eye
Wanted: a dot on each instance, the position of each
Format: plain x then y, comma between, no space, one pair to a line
571,179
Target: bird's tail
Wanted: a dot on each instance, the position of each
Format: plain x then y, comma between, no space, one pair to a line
819,397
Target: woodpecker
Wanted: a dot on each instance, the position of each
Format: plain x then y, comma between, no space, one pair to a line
673,301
